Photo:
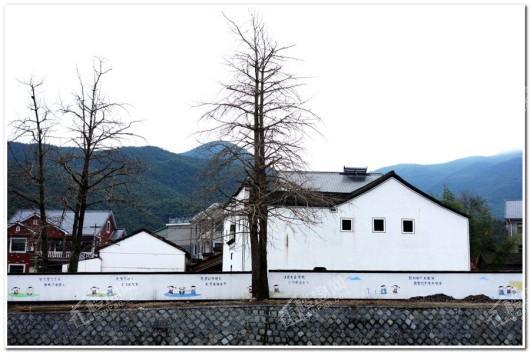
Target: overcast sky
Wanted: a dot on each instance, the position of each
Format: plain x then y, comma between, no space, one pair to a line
392,83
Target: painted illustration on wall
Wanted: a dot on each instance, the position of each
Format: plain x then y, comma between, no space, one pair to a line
181,292
509,290
17,292
95,291
384,290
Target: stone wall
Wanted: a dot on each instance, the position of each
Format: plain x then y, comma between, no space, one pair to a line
496,324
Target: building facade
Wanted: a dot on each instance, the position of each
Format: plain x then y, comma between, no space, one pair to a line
23,237
141,251
179,232
378,223
513,218
201,236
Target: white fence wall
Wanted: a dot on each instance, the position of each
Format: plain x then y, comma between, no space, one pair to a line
283,284
394,285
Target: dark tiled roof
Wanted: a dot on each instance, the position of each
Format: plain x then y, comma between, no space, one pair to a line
65,219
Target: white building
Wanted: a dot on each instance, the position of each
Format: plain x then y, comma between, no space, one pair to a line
379,222
141,251
513,217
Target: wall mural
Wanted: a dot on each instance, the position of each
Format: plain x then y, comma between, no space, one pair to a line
394,285
103,293
181,292
285,285
16,292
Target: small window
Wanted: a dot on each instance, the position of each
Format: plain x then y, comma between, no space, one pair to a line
232,231
18,245
17,229
35,222
16,268
378,225
346,225
231,255
407,226
333,209
108,226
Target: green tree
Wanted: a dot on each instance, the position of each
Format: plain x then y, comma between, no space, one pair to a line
486,234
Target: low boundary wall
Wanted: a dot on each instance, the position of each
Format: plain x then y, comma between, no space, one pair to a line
499,324
142,286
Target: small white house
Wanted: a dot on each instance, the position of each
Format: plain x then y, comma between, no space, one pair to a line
379,222
141,251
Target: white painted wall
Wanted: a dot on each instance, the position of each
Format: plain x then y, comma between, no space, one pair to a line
440,241
141,252
397,285
127,286
198,286
90,265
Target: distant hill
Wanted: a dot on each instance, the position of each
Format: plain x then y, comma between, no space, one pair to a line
173,185
495,178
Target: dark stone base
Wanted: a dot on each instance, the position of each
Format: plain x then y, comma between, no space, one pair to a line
301,324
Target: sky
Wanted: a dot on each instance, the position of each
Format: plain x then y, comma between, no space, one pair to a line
392,83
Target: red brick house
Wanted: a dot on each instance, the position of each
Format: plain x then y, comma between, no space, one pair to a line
22,235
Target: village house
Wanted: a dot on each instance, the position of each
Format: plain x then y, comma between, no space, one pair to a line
378,222
201,236
179,232
207,229
99,228
513,217
141,251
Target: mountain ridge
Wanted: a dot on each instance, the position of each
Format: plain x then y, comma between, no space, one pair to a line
496,178
173,183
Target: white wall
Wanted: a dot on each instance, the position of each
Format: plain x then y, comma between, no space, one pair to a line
127,286
142,252
90,265
440,241
286,285
397,285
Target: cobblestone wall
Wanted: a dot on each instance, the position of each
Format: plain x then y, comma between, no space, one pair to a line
270,325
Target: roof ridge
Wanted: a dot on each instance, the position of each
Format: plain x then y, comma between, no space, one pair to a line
324,172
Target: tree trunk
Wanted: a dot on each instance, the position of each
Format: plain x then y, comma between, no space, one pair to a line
255,254
79,218
263,278
43,228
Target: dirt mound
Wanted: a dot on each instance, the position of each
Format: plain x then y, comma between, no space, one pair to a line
434,298
481,298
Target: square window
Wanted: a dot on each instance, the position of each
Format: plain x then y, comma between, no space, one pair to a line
18,245
378,225
346,224
16,268
407,226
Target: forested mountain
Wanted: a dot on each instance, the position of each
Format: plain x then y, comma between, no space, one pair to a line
175,184
172,185
495,178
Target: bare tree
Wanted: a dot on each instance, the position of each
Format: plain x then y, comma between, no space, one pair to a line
97,170
34,129
262,113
